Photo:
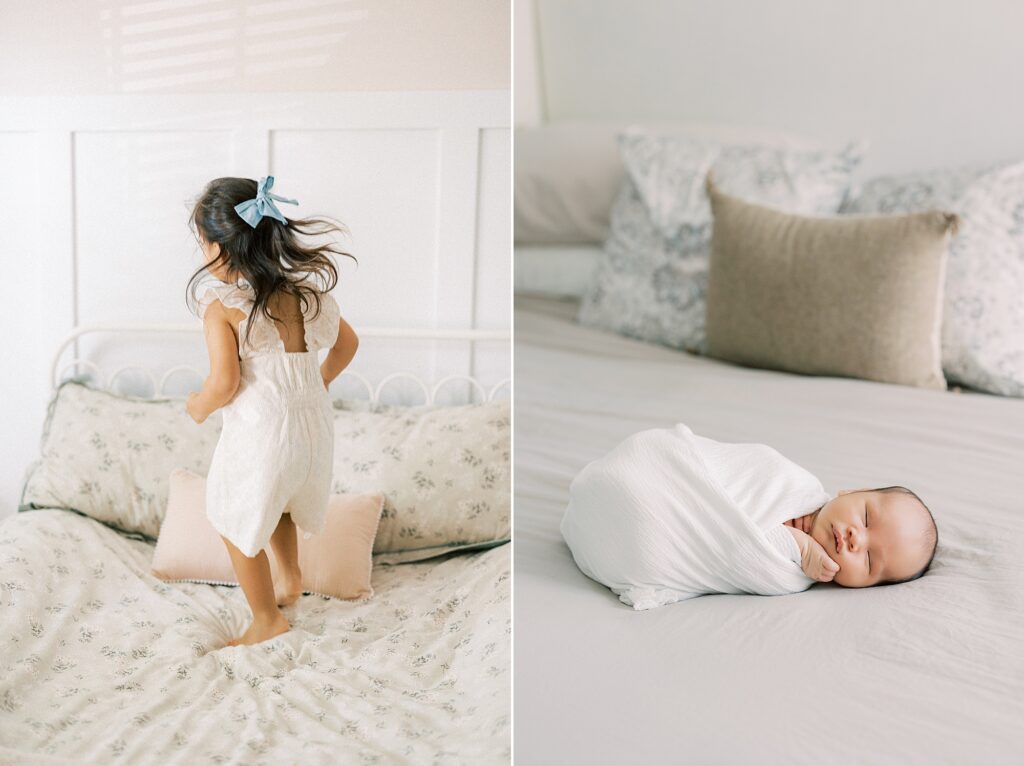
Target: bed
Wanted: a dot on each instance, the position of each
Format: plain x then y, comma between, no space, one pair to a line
101,662
925,672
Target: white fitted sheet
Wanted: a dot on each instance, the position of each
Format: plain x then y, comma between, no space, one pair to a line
925,672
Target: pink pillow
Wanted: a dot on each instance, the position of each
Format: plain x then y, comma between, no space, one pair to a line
336,562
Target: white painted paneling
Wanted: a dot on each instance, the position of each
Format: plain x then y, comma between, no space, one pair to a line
421,179
493,293
133,194
493,296
21,311
134,252
383,186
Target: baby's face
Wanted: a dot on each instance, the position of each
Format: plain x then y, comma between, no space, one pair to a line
873,536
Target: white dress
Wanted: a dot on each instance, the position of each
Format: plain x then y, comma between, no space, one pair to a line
276,447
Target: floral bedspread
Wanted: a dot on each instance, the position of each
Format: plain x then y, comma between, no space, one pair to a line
100,662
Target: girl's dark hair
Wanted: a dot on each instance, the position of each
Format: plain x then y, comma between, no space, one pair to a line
270,256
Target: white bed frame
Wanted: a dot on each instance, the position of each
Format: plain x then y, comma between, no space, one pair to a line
429,390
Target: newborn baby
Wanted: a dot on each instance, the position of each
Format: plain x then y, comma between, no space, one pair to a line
669,515
867,537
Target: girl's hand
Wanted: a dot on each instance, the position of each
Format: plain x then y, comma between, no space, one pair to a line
192,407
816,562
803,523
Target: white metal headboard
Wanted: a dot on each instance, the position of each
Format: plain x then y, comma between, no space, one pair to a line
429,390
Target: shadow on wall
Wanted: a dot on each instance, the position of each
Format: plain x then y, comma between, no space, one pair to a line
194,43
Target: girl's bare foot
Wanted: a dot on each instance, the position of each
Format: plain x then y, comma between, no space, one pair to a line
289,588
262,630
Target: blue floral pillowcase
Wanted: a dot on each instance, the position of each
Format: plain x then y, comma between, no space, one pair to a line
982,314
652,281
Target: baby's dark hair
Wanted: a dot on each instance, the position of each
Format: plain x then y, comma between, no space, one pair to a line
931,535
270,256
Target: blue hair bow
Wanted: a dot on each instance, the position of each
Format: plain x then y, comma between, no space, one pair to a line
253,210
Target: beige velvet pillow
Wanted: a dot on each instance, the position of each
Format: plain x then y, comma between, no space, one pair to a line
852,296
337,562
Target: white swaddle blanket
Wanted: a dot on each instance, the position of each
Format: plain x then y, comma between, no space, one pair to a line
668,515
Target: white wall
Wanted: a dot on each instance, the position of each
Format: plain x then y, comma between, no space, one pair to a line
927,83
528,91
93,47
98,187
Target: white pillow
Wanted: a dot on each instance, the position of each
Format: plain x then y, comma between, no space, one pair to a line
566,177
555,270
567,174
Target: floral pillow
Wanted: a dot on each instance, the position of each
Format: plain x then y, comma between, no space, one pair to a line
983,315
938,189
110,456
652,280
445,473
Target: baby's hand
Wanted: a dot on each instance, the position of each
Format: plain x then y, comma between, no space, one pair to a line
816,562
803,523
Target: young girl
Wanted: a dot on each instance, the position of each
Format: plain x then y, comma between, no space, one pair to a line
265,320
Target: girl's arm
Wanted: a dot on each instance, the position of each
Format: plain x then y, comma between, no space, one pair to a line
225,371
341,353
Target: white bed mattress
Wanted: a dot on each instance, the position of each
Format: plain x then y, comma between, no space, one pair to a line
926,672
102,663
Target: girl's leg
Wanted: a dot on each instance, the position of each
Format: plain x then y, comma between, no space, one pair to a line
285,543
254,577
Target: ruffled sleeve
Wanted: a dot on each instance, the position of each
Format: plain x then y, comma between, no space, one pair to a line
322,332
230,296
